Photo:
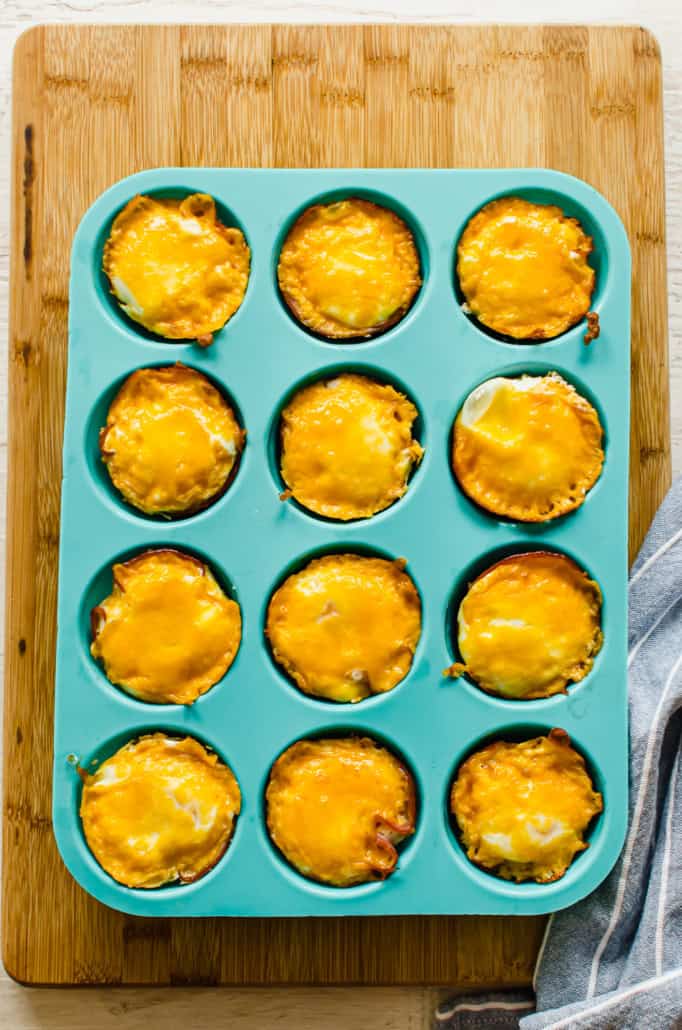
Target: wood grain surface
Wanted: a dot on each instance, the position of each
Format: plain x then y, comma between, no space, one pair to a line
92,104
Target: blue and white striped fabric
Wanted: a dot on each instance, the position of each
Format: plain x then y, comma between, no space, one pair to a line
615,959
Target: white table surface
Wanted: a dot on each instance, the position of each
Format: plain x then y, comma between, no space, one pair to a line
304,1009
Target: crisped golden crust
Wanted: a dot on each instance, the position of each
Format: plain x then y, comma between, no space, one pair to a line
171,442
338,808
349,269
347,448
529,625
174,267
167,633
593,328
346,626
529,448
523,269
161,810
523,809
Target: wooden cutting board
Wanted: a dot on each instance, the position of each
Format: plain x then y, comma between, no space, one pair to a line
92,104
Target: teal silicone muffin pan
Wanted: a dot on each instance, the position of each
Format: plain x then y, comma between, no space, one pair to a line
251,539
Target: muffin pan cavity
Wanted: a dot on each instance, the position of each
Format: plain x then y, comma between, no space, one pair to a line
406,849
596,834
351,547
478,567
599,259
101,586
109,303
535,369
382,200
98,473
328,375
88,763
252,541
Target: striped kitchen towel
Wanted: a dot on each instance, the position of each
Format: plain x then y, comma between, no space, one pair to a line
615,959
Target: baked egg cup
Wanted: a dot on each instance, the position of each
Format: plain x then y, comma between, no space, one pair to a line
529,626
172,442
167,632
523,269
346,446
174,268
161,810
523,809
528,448
349,269
338,808
346,626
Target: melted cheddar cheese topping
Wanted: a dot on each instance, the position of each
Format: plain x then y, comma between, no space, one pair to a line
161,810
523,809
171,441
523,269
174,268
336,809
167,632
346,626
529,625
527,448
347,448
349,269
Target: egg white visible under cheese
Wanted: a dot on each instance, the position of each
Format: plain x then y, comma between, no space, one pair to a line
523,808
528,448
158,811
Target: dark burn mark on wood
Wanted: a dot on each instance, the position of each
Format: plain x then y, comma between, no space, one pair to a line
522,55
93,973
655,238
55,303
212,64
122,98
646,45
29,179
49,535
70,82
23,353
567,44
444,94
386,60
651,453
22,814
22,646
252,83
294,62
622,108
481,67
335,97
